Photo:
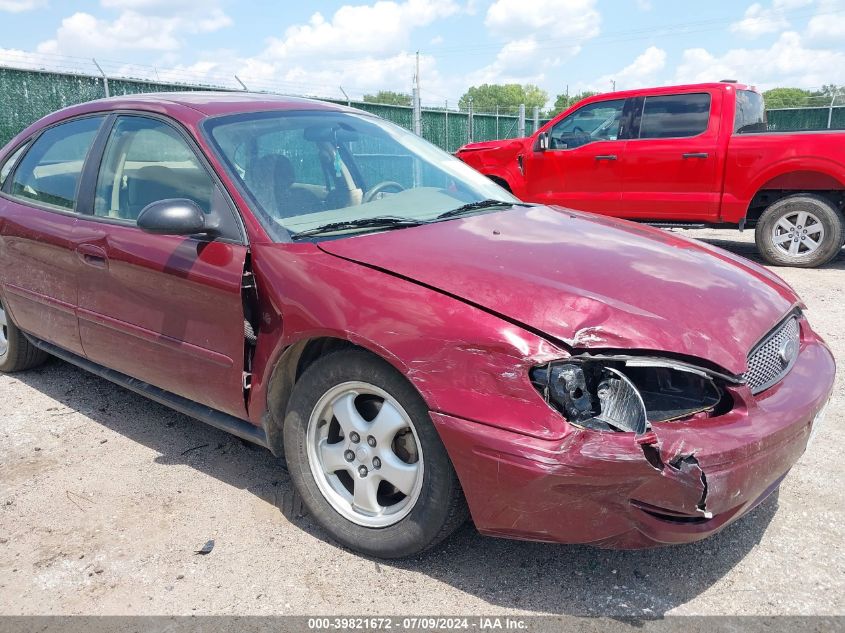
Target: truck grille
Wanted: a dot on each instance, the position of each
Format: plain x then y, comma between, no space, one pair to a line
774,356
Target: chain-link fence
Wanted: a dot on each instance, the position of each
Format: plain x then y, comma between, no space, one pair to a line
27,95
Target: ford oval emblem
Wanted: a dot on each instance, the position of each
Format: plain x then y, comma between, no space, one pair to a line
787,352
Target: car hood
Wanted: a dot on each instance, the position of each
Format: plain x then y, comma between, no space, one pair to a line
588,281
485,145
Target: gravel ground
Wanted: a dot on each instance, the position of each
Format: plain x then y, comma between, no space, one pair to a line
105,496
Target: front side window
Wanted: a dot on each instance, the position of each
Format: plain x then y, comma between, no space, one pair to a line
594,122
675,116
145,161
49,172
306,169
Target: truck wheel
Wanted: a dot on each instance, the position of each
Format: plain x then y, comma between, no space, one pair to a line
16,352
366,459
802,230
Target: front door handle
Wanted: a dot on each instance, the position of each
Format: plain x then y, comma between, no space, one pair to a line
606,157
695,155
93,255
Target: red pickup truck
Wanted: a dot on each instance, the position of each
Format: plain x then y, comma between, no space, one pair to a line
694,155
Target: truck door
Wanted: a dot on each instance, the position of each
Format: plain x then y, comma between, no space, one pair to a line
581,166
672,163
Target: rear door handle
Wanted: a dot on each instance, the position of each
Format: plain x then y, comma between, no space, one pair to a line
606,157
93,255
695,155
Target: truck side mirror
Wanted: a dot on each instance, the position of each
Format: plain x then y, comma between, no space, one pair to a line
542,142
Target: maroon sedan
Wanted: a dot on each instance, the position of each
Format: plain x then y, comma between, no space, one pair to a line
417,343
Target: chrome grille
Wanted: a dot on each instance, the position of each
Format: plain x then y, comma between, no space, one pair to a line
774,356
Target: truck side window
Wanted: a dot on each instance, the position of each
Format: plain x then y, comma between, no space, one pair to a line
675,116
594,122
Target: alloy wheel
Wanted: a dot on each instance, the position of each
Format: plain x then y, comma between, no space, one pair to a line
365,455
799,233
4,330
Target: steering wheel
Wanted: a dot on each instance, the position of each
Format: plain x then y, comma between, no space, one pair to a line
577,129
384,186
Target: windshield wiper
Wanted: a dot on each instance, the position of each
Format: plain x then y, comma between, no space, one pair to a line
475,206
378,222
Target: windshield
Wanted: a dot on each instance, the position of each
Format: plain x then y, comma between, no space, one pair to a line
309,169
750,112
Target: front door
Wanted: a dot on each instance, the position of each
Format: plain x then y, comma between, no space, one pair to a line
580,168
38,254
164,309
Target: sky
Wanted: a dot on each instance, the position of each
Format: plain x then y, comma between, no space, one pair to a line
326,48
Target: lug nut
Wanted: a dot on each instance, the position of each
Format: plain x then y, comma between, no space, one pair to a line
376,463
354,437
362,470
349,456
371,440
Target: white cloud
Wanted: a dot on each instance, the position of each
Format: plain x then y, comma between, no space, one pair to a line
828,25
19,6
382,27
645,71
759,20
789,61
82,33
644,5
562,19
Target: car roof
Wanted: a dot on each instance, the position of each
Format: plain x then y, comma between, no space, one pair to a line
204,103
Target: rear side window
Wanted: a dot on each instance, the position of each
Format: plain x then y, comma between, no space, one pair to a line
750,112
49,172
675,116
7,167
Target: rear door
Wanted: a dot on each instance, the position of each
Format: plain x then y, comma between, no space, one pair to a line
672,164
581,167
164,309
39,261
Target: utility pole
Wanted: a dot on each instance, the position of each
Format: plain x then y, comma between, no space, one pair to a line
417,100
612,85
521,125
536,118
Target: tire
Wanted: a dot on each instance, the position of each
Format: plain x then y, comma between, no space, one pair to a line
16,352
782,243
407,449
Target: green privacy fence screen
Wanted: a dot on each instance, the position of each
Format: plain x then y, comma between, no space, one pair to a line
28,95
806,119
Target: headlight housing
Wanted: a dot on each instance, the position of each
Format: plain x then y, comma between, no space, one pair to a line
629,393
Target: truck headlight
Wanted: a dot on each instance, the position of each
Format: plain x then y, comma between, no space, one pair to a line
629,393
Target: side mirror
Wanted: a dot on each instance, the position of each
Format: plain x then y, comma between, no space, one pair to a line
177,216
542,142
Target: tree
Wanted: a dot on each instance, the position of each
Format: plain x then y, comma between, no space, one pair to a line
389,97
563,101
508,97
788,98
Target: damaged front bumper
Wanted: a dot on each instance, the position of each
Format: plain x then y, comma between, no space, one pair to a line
679,483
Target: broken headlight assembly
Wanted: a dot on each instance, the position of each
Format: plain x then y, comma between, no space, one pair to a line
629,393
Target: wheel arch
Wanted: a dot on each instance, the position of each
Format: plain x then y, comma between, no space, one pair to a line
790,179
500,181
292,363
